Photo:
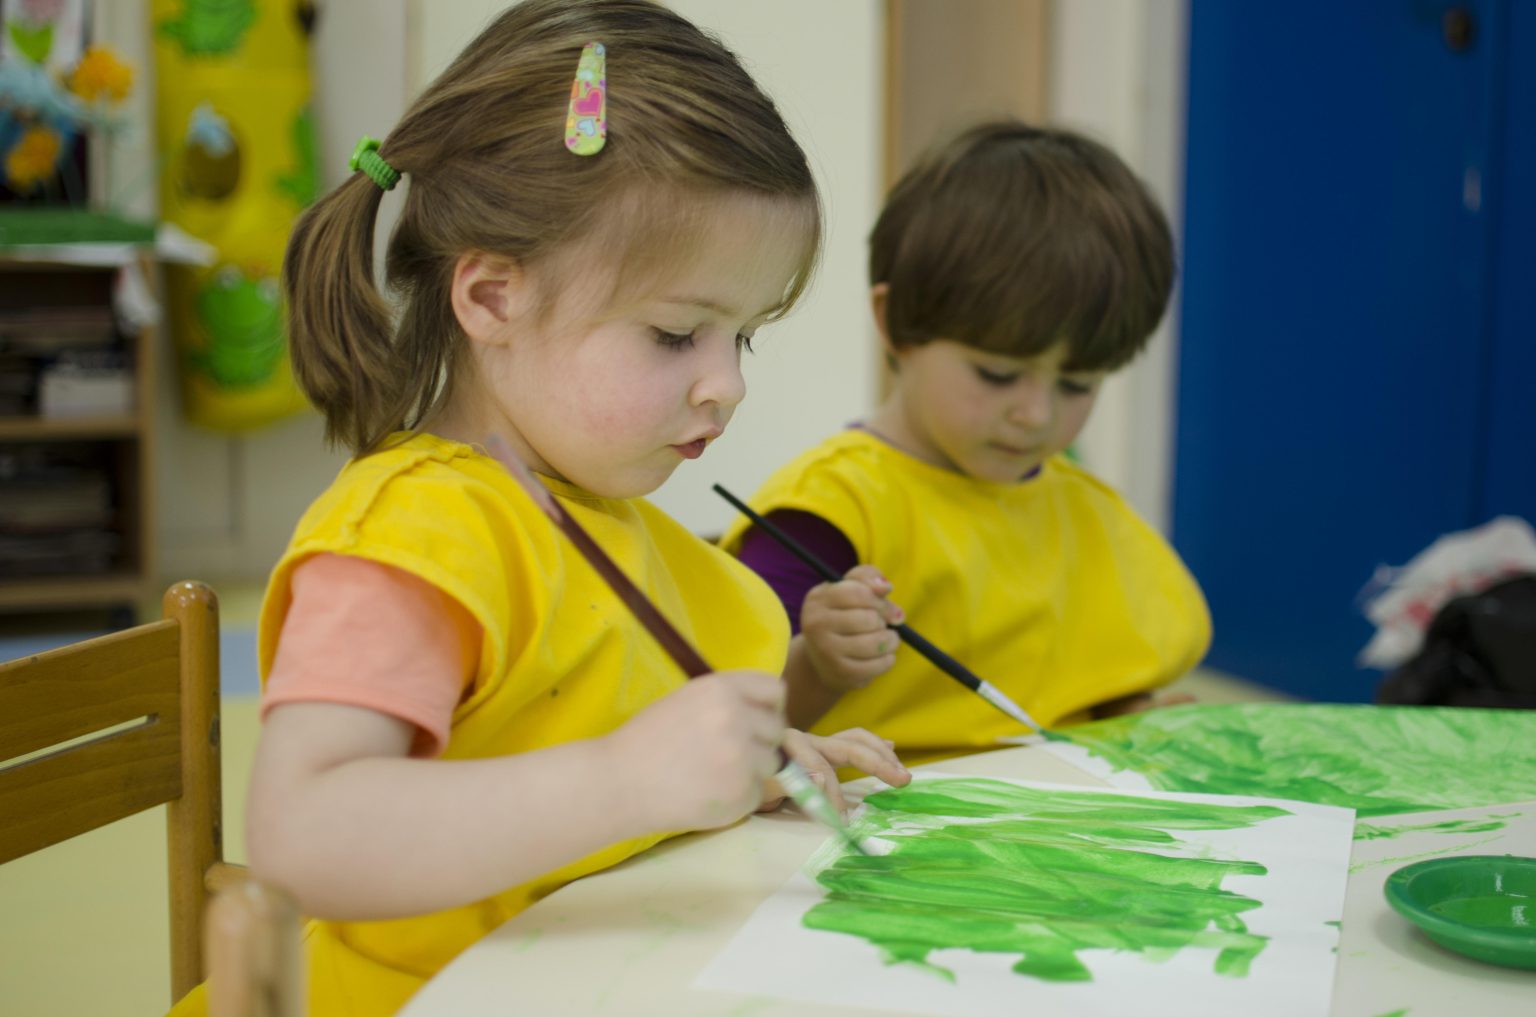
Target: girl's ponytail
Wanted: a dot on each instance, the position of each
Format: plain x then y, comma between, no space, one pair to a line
340,328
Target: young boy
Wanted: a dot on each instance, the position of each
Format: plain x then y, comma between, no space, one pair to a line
1011,271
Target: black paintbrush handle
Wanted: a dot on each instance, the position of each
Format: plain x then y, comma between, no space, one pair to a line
941,660
791,545
937,657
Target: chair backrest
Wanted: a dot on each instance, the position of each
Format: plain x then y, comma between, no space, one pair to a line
255,951
102,729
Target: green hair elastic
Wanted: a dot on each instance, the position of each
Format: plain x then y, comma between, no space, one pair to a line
366,157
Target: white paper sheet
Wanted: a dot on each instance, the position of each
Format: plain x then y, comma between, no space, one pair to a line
1389,964
1305,851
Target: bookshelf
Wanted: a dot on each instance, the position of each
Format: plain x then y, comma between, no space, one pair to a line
77,393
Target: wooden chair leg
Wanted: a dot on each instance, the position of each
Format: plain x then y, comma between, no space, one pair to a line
255,954
194,820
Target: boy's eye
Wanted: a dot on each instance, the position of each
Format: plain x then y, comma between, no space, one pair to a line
995,378
743,342
673,340
1071,387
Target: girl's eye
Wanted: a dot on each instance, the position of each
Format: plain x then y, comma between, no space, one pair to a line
673,340
1074,388
743,342
993,378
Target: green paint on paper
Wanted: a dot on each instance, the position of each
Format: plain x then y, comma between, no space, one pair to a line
1396,1013
1378,760
997,868
1372,831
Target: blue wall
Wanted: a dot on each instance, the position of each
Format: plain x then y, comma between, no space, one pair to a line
1357,318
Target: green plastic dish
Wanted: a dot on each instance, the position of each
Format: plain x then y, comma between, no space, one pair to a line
1483,906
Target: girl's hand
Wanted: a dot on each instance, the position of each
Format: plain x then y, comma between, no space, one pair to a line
846,629
698,758
821,756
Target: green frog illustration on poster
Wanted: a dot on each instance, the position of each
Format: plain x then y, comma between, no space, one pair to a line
237,146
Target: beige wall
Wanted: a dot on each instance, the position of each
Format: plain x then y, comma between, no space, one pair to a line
1117,73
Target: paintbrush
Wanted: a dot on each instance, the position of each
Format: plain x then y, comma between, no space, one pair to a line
943,661
792,777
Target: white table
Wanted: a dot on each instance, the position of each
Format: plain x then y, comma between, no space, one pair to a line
631,939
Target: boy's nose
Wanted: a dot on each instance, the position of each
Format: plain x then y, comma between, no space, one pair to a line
1032,406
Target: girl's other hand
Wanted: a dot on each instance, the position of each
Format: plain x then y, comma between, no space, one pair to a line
847,629
698,758
822,755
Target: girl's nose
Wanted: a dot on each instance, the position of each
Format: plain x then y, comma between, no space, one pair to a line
721,383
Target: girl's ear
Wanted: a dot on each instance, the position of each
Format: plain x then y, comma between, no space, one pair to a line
489,293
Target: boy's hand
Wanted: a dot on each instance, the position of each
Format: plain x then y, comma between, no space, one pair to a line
846,629
822,755
698,758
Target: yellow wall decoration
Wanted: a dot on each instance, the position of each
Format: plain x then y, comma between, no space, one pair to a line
237,153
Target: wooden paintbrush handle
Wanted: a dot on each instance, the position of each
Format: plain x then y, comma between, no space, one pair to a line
671,640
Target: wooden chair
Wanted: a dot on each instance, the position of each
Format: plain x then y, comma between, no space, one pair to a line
100,730
254,942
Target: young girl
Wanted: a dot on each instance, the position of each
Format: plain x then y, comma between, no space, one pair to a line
1011,271
459,716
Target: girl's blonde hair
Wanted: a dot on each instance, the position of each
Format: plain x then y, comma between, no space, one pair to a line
483,151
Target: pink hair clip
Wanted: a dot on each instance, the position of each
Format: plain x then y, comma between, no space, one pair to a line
586,121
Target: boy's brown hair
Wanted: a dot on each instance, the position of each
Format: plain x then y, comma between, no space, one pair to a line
483,156
1012,239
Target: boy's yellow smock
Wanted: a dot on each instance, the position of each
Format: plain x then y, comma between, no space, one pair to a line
561,659
1052,589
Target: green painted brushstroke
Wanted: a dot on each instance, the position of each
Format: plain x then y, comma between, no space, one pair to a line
1405,859
998,868
1371,831
1396,1013
1378,760
1507,912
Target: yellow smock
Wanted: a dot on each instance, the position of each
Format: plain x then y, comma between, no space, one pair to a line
1052,589
561,658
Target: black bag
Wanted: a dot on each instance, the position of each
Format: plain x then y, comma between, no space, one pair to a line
1480,650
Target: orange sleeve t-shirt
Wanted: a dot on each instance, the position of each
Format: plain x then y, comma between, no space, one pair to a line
362,633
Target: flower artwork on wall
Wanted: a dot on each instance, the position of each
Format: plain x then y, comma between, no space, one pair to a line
56,92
